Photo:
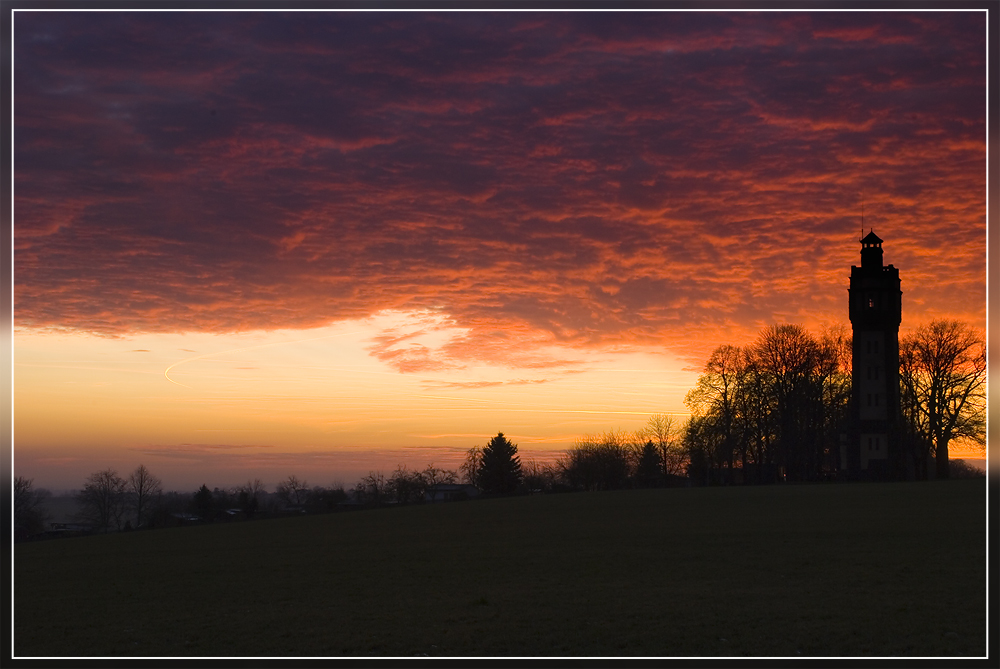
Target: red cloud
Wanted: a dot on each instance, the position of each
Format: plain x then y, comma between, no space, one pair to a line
664,179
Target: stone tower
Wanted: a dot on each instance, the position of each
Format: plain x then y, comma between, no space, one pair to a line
875,298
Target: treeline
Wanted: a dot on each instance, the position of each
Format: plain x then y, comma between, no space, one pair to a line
252,500
29,513
651,457
778,408
774,410
942,379
109,502
403,486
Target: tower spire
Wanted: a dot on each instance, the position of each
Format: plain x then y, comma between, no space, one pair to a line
862,213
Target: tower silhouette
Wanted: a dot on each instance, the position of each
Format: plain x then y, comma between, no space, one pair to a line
875,305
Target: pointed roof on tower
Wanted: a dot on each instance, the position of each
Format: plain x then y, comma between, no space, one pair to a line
871,238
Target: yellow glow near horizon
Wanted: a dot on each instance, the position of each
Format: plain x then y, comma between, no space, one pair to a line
275,399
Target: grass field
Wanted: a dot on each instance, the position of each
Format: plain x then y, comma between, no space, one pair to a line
822,570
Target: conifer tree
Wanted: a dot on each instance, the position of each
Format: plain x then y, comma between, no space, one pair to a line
500,470
203,502
648,470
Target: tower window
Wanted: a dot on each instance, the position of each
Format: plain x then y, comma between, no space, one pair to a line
875,372
869,373
876,399
875,346
869,443
869,399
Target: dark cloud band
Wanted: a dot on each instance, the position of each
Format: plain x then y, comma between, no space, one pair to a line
588,178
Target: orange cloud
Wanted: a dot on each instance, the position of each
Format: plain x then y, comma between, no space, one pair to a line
668,179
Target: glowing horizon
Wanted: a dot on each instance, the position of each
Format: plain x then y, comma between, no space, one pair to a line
285,243
271,397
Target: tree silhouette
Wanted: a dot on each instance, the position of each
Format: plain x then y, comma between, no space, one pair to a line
144,489
203,502
322,499
103,499
775,404
404,486
432,476
500,468
292,491
647,470
538,476
373,489
471,467
942,374
29,518
249,496
660,429
604,462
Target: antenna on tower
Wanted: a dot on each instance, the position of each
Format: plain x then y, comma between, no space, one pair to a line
862,214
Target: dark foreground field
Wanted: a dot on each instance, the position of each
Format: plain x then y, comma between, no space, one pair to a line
825,570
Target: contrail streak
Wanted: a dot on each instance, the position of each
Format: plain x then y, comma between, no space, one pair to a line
538,408
166,372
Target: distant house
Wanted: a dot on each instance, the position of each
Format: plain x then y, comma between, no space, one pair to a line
73,527
450,492
60,530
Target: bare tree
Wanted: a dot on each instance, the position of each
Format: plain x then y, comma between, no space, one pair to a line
103,500
942,374
404,486
472,466
249,495
538,476
717,394
776,404
604,462
661,430
788,359
29,518
407,487
432,476
293,491
373,489
144,489
325,499
838,340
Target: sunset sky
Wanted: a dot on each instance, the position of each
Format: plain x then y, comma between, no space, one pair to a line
254,244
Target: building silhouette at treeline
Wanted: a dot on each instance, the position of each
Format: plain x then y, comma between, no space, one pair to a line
873,448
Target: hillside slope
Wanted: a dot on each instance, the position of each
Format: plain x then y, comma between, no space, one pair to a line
823,570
